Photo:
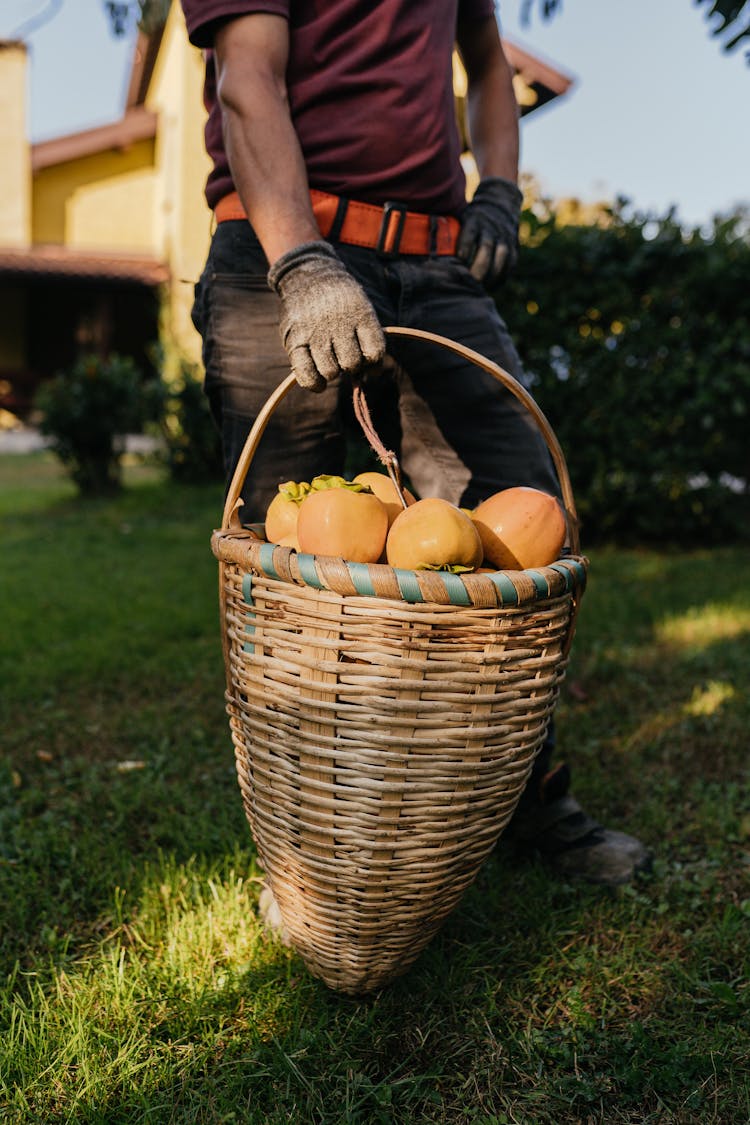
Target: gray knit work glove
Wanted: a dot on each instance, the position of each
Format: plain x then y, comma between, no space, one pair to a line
328,325
488,241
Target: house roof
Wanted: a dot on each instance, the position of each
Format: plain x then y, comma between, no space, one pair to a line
144,61
542,80
61,262
57,262
137,124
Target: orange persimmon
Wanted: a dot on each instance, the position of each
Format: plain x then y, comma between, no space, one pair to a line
520,527
385,490
344,520
282,512
433,534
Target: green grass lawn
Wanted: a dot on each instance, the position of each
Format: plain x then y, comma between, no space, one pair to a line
138,985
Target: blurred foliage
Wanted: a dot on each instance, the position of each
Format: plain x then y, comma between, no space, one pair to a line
636,336
149,15
727,24
192,443
729,19
86,411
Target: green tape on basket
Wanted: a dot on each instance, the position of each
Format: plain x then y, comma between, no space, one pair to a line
309,571
247,594
266,559
508,591
541,583
455,589
566,574
573,571
408,585
360,576
581,572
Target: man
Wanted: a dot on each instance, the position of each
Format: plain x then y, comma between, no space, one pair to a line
321,115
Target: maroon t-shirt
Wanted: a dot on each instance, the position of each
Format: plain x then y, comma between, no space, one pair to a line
370,91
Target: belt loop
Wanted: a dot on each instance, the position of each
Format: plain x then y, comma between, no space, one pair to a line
445,236
434,227
338,219
391,208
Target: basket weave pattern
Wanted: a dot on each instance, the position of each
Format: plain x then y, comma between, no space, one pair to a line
384,723
381,748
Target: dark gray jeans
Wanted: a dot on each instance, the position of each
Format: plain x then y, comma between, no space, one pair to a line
459,434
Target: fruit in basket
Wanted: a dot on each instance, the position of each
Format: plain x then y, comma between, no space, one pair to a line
520,527
433,534
290,541
342,518
385,490
282,512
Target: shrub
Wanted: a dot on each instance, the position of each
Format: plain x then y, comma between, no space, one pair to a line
636,336
191,438
87,411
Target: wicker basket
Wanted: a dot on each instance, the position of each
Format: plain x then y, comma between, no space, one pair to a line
384,723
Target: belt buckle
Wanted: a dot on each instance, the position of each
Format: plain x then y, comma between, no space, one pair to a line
389,207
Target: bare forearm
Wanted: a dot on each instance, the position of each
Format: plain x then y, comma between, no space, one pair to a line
491,102
493,127
262,147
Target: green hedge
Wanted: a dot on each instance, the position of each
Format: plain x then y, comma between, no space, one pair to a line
636,336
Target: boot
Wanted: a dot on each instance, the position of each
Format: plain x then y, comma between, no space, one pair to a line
550,822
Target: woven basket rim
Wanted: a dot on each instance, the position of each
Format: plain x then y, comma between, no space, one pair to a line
379,580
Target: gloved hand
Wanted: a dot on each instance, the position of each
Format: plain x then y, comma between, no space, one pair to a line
488,241
328,325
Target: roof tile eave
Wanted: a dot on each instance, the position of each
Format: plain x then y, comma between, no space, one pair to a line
137,124
62,261
145,52
535,69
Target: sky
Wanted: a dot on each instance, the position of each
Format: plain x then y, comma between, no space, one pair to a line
657,113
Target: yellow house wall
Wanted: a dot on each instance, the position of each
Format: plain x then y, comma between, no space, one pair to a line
15,168
95,214
182,219
103,201
149,197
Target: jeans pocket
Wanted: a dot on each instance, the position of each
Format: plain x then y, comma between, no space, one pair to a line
241,339
236,250
252,282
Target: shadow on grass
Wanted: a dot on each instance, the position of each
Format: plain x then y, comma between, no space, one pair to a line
145,990
541,1000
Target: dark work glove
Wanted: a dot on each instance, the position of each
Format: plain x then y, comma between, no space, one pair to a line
488,241
328,325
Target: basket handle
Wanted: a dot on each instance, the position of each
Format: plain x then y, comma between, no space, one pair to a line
508,381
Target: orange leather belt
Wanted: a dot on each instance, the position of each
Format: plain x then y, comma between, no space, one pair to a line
390,229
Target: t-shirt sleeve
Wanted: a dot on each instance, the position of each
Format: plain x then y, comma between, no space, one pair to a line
202,17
